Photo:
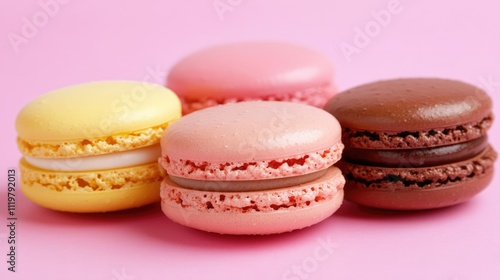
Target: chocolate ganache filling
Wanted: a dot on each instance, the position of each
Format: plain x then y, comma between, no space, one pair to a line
416,157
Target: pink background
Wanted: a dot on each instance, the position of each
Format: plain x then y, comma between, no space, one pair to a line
84,41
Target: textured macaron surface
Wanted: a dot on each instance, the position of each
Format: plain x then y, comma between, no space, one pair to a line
251,140
411,113
417,157
415,143
407,177
249,69
92,191
95,118
300,196
90,181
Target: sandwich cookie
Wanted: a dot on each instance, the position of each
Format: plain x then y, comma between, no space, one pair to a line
415,143
256,167
94,147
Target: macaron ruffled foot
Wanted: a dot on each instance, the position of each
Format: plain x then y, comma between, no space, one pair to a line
94,147
257,167
414,144
246,71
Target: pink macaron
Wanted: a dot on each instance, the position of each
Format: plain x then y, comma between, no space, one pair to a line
259,70
256,167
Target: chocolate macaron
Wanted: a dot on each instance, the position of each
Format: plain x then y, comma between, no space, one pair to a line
415,143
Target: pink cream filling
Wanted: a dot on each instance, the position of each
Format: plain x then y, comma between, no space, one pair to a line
256,170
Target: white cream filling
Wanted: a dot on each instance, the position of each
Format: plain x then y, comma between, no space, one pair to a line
107,161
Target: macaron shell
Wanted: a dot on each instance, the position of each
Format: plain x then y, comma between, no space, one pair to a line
412,104
106,201
418,188
253,223
255,69
92,191
255,169
250,131
263,212
416,139
314,96
95,110
417,199
417,157
93,146
405,177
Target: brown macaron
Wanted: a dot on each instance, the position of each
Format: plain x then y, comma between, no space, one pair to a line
415,143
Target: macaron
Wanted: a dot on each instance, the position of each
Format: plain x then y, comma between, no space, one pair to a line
94,147
414,143
253,168
253,70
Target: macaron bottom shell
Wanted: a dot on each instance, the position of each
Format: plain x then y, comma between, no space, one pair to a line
418,188
254,212
415,199
253,223
91,191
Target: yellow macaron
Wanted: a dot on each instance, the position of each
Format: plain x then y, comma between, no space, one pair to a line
94,147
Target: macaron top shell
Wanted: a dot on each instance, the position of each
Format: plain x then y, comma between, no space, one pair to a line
95,110
239,70
250,131
412,104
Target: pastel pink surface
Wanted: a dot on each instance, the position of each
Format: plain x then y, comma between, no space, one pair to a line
249,69
251,140
102,40
261,212
250,131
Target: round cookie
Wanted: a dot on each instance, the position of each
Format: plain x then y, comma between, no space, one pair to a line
414,143
256,70
93,147
256,167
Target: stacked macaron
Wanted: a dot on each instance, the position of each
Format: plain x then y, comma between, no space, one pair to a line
256,167
414,143
258,70
94,147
